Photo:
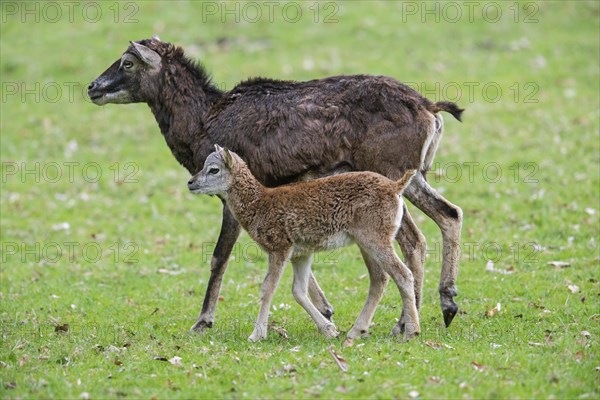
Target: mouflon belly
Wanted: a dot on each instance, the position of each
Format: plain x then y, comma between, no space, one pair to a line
331,242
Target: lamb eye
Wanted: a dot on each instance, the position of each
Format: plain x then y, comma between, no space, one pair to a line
127,64
213,171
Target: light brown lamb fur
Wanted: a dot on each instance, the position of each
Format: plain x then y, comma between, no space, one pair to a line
294,221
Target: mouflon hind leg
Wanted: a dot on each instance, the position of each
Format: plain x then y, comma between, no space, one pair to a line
449,219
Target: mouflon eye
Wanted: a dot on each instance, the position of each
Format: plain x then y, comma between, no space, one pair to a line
213,171
127,64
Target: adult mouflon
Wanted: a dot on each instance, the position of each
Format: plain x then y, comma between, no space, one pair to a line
289,131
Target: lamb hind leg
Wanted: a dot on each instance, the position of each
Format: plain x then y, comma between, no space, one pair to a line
230,231
386,258
408,325
449,218
413,246
378,281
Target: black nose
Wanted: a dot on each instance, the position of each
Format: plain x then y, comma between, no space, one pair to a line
191,182
92,85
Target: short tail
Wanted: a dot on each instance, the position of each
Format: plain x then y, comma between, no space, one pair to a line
449,107
403,182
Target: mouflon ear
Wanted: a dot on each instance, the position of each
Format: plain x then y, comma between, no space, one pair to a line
227,158
146,55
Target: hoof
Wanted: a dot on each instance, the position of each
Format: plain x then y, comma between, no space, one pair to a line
408,331
358,333
259,333
201,326
257,336
449,314
330,332
412,335
328,313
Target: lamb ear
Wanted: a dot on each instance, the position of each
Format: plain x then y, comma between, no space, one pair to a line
218,149
155,37
227,158
146,55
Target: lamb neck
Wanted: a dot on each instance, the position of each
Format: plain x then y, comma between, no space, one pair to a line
244,197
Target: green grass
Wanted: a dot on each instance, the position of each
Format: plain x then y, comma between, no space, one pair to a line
136,300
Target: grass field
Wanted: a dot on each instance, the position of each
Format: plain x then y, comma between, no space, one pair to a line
105,254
